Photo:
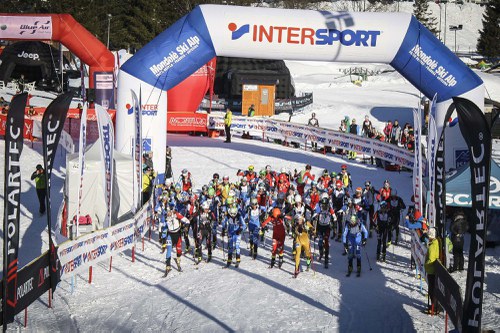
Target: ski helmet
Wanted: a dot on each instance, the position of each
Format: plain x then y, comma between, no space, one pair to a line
268,168
211,192
233,211
354,219
325,172
254,201
250,168
262,172
204,188
283,170
276,213
368,183
324,202
314,183
359,189
225,178
185,172
308,167
383,205
339,184
215,176
333,174
298,198
324,195
168,182
229,201
205,205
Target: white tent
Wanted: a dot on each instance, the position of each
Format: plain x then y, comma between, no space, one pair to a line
93,202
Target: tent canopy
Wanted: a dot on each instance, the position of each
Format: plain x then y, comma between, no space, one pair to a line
458,187
93,202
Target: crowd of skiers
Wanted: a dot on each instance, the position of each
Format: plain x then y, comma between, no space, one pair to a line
311,209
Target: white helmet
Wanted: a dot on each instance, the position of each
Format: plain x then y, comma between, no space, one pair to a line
283,170
168,181
324,195
205,205
298,198
232,193
233,211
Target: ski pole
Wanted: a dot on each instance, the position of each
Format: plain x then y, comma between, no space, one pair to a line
367,258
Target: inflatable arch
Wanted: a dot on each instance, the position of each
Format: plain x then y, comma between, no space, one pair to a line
65,29
397,39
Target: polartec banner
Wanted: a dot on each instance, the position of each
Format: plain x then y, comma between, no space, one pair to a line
12,200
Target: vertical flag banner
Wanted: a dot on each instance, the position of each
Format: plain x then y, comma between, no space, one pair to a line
82,145
14,136
52,126
477,135
137,149
417,170
431,149
107,137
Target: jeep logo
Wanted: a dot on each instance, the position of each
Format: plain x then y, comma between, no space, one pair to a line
33,56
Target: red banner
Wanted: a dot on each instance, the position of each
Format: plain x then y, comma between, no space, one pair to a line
186,122
28,127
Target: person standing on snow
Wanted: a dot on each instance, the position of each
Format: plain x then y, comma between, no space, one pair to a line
204,221
228,119
396,205
324,219
302,178
383,227
170,226
313,121
369,195
276,220
234,224
39,177
253,218
302,230
354,237
432,256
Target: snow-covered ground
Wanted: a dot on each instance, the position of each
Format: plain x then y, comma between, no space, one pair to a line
135,297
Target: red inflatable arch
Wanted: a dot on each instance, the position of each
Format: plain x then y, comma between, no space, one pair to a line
74,36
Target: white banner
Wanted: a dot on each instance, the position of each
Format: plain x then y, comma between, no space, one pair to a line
76,256
418,252
303,135
26,27
137,150
106,135
431,153
82,145
417,171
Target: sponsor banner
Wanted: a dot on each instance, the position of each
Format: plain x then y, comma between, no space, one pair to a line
305,34
174,54
52,125
26,27
76,256
431,149
418,252
417,171
477,135
304,134
186,122
27,129
12,195
137,150
104,89
143,219
33,281
82,145
67,142
449,295
106,134
423,58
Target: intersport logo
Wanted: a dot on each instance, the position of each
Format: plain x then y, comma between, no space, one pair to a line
296,35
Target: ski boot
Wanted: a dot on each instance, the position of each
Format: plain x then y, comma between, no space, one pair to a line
280,261
250,253
326,261
297,271
254,255
349,270
209,257
308,262
396,241
358,274
320,254
273,260
237,261
383,257
178,263
167,270
229,261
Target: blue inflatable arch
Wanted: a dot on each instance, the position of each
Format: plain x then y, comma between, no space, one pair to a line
397,39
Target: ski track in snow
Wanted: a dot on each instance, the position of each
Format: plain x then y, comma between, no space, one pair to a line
134,297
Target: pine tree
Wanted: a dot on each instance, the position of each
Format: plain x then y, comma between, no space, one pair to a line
488,44
423,14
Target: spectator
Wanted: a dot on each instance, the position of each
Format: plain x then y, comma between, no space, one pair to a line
147,184
367,127
251,113
458,228
395,132
347,124
39,177
228,117
432,256
313,121
31,111
387,131
353,130
168,163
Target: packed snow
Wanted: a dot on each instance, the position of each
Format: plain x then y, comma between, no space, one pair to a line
134,297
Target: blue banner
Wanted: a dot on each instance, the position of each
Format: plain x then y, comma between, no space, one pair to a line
431,66
174,54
